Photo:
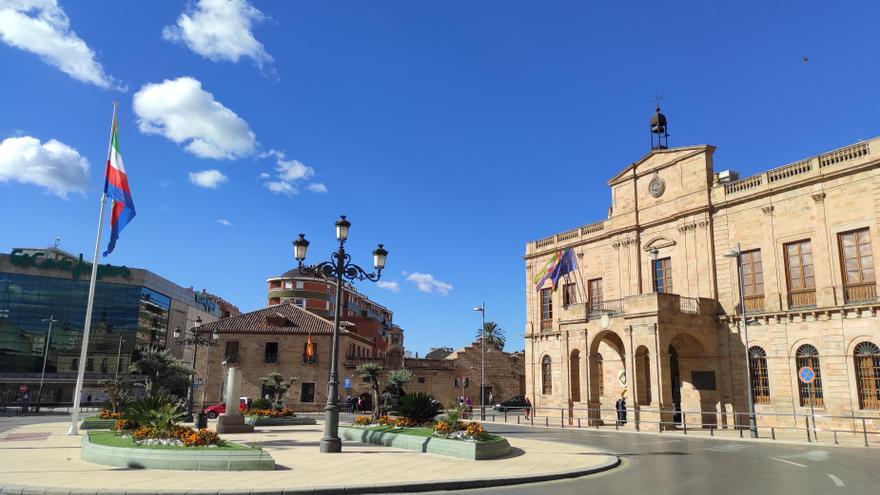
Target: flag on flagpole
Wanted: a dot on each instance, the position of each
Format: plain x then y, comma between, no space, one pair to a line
310,349
566,265
116,188
542,275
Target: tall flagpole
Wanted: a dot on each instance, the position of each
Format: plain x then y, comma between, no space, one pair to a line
80,375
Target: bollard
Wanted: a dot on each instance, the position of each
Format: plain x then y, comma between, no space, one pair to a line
532,419
562,418
711,431
579,422
517,420
740,431
773,433
547,421
835,437
865,432
809,437
505,416
684,424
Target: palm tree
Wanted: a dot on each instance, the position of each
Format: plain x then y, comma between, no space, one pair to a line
371,373
494,335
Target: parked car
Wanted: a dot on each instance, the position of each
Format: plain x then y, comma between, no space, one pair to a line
218,409
516,402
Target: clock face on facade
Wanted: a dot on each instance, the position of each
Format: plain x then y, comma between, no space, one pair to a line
657,186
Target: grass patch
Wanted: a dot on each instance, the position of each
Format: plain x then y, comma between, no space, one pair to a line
109,439
419,432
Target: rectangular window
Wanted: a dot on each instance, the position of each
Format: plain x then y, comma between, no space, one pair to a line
595,291
230,354
799,270
546,308
300,284
857,266
300,302
753,280
569,294
307,393
270,352
663,275
288,284
421,379
90,364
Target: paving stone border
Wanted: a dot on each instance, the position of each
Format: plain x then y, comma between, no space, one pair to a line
461,449
426,486
283,421
93,423
179,460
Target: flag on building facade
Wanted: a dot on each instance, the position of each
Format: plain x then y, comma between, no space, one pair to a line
567,264
310,349
545,272
116,188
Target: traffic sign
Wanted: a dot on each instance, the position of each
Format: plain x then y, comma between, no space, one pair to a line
806,374
346,383
22,389
197,383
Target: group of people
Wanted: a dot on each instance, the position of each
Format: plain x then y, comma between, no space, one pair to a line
356,404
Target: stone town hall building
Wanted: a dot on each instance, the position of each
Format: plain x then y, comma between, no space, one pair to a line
653,305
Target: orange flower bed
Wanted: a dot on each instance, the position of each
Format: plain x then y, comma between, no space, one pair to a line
363,420
108,414
269,413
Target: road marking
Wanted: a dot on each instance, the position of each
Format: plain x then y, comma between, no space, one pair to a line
837,481
788,462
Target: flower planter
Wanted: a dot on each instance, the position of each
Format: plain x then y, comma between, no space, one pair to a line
280,421
462,449
180,459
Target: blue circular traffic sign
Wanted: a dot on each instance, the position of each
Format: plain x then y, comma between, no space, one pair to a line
806,374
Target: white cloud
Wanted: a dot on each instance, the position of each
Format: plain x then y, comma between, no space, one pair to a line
281,187
182,111
224,222
53,165
210,179
426,282
220,30
42,27
288,174
392,285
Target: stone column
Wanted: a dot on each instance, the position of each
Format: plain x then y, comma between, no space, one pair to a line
231,421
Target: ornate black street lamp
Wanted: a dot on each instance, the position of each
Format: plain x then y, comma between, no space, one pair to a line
196,342
339,267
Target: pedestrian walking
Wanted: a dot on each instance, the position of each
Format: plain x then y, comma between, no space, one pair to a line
490,398
528,409
620,405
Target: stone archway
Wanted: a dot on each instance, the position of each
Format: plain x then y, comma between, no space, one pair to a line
607,361
693,381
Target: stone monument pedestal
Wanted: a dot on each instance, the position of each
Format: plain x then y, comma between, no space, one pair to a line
232,421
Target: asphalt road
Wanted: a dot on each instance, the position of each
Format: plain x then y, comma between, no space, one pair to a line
677,465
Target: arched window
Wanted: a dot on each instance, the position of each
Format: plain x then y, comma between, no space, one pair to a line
867,360
807,355
760,377
546,377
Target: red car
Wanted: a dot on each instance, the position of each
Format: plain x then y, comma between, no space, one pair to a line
218,409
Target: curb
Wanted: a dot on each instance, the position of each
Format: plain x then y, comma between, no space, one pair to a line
422,486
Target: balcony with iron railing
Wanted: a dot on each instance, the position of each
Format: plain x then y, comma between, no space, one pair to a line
802,298
638,304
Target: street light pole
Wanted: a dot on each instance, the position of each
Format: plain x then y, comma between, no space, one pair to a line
482,309
339,267
753,428
196,342
51,320
119,357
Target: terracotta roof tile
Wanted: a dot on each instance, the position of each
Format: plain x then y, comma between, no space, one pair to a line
281,318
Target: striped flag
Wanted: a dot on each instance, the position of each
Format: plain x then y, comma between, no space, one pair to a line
116,188
547,271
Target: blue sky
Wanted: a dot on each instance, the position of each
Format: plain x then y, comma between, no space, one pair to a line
453,132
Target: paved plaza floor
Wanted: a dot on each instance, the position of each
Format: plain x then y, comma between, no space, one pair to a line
44,455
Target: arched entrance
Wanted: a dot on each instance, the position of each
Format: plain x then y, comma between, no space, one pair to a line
692,382
574,371
607,374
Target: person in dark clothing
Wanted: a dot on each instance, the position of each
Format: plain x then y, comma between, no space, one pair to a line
620,406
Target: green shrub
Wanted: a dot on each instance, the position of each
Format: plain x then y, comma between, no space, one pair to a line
418,407
261,404
159,411
453,414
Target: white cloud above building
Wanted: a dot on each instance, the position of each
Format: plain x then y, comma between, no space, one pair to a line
53,165
209,179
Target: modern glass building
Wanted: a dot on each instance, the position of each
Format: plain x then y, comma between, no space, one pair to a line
132,308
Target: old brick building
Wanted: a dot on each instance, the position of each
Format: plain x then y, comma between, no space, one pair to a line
653,304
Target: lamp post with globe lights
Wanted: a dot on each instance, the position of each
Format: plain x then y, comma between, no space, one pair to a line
339,268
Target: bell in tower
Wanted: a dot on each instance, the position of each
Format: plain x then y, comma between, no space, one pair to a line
659,132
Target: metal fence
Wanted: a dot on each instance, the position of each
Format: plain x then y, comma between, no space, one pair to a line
21,408
855,428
